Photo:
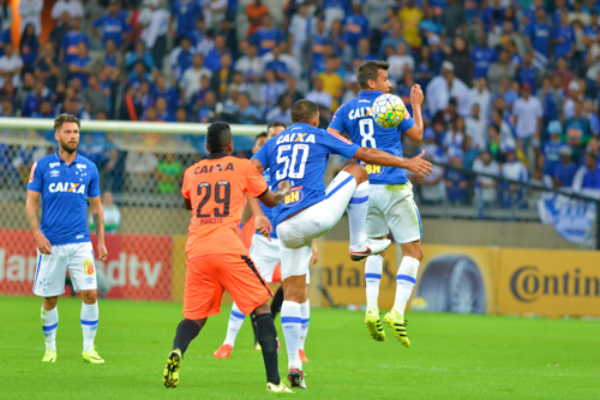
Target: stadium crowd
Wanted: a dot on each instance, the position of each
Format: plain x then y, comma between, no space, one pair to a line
511,86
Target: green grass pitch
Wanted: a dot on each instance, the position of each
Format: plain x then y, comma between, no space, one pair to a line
452,357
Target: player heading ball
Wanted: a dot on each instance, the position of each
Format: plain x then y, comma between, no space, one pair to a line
66,180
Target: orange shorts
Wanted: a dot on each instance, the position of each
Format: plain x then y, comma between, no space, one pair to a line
208,276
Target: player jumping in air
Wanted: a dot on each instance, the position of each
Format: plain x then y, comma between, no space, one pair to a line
214,189
66,180
300,154
265,254
391,203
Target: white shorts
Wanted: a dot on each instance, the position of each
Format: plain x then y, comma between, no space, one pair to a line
51,271
296,233
393,208
266,255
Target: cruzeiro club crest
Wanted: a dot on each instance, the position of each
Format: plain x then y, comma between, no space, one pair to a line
88,266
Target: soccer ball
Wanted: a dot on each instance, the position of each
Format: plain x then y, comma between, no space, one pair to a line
388,111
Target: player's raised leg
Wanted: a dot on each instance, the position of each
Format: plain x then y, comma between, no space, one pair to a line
236,319
187,330
49,327
360,246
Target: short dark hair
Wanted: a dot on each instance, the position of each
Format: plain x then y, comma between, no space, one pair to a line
218,136
62,118
259,136
370,70
274,124
304,111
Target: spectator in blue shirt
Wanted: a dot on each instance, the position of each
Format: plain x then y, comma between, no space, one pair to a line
424,70
537,37
114,26
212,60
565,171
492,15
182,57
482,57
318,40
29,48
364,50
78,68
138,75
266,37
393,38
588,108
456,181
139,54
552,147
356,26
563,38
68,47
528,73
587,177
169,93
33,99
184,15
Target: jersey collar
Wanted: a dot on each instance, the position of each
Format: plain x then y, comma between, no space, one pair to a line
215,156
301,124
365,93
57,157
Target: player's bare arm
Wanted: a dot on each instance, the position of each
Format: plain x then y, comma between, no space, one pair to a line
417,164
41,242
98,217
247,211
262,224
415,133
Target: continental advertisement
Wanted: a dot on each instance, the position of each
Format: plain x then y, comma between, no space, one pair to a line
457,279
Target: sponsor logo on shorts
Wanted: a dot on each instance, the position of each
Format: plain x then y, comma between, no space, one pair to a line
373,170
294,197
88,266
90,280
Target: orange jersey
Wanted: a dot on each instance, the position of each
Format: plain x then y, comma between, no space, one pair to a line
217,188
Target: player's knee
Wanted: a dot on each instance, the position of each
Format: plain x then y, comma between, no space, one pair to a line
358,172
264,308
293,293
89,296
50,303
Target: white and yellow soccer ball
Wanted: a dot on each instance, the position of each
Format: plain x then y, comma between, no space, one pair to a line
388,111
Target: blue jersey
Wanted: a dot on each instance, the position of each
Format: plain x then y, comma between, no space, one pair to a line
482,59
70,42
113,28
266,39
300,155
567,34
354,117
539,33
186,13
65,190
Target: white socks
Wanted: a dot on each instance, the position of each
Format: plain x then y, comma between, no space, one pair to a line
357,216
49,327
304,319
236,319
89,324
291,321
373,269
405,279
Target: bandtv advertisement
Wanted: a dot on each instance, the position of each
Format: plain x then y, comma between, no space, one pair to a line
451,278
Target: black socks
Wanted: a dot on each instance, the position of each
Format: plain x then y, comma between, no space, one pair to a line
187,330
267,337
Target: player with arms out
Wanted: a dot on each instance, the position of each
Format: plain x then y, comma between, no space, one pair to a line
214,189
300,155
65,180
265,254
391,202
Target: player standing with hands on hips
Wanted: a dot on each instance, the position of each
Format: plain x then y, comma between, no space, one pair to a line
391,201
65,180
